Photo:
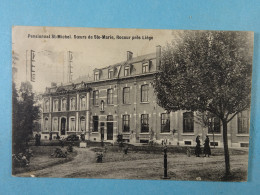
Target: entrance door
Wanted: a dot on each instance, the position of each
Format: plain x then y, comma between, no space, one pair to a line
109,127
102,129
63,126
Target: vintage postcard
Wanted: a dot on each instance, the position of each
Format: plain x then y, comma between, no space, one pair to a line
131,103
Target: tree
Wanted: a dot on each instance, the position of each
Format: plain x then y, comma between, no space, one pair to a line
25,112
207,71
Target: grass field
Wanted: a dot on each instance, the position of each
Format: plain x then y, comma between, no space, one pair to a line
137,164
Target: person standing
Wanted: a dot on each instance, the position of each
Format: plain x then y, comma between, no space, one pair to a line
198,149
207,150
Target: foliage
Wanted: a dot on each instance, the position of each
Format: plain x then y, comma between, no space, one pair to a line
207,71
25,112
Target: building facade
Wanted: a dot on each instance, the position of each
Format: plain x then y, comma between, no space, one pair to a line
120,100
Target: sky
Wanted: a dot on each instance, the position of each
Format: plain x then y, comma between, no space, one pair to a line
51,54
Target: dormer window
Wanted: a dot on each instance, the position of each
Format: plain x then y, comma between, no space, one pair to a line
145,67
110,73
127,71
96,76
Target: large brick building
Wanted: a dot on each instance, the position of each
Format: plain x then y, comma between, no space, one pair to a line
120,100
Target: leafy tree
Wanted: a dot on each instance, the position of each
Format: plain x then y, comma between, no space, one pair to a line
25,112
207,71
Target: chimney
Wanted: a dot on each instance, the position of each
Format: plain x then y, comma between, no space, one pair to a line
129,55
158,57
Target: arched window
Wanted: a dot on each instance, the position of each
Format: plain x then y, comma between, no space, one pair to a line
82,123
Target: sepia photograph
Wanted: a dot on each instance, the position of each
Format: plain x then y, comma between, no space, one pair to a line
145,104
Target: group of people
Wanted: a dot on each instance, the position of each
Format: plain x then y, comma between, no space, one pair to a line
207,150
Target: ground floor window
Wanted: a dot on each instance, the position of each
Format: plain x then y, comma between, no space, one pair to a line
165,122
55,124
95,123
214,125
82,124
188,122
144,123
46,124
72,124
126,123
243,122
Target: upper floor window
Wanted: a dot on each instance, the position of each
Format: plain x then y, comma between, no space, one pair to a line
126,123
127,71
63,104
110,73
188,122
144,123
95,97
165,122
96,76
47,106
56,105
73,104
243,122
83,102
72,124
110,96
145,67
95,123
126,95
144,93
213,125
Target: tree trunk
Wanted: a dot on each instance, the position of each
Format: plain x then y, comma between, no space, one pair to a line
226,152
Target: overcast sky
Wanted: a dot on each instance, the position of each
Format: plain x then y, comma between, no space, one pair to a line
88,54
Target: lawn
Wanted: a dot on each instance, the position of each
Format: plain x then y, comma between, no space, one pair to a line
142,162
42,159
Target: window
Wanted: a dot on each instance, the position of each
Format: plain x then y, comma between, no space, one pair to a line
83,103
188,123
55,124
56,105
145,67
102,105
82,123
243,122
46,124
127,71
47,106
72,124
126,95
126,124
96,76
73,104
144,123
214,125
110,74
64,104
95,123
95,98
144,93
110,96
165,122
